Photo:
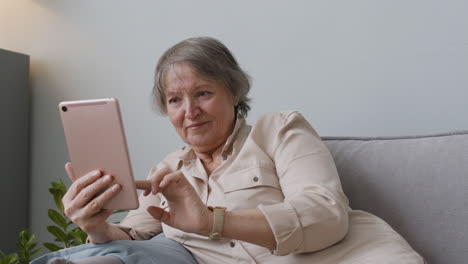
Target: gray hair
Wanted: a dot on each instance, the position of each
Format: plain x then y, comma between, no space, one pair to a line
209,58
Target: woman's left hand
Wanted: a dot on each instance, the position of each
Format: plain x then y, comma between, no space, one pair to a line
186,210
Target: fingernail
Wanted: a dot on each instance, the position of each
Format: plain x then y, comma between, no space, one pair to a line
96,173
116,187
106,178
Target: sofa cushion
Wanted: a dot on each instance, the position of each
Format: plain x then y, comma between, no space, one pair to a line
418,184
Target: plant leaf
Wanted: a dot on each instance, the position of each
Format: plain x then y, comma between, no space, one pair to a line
9,259
79,235
58,190
36,251
31,239
21,248
52,247
58,200
58,218
60,185
58,233
24,237
31,246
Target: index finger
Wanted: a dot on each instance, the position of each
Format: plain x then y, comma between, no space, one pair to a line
156,179
143,185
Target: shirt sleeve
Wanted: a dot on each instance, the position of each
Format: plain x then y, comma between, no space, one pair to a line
314,213
139,224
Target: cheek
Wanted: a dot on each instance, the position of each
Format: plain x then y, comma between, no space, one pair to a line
220,108
175,119
227,112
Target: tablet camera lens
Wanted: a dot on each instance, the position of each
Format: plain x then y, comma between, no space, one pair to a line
64,108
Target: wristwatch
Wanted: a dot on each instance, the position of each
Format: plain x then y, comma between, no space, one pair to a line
218,222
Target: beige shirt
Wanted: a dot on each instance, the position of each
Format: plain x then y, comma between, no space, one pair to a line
280,166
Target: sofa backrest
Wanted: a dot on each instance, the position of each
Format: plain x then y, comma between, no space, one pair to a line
418,184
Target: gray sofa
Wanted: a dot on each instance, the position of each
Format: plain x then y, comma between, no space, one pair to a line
418,184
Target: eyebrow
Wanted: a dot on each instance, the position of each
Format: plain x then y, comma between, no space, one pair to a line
201,86
197,87
170,93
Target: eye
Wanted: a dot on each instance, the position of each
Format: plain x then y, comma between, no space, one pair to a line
173,100
204,93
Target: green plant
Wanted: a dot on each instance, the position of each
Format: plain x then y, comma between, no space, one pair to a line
8,259
27,248
64,231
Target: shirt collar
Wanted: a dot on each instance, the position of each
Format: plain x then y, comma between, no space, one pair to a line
189,155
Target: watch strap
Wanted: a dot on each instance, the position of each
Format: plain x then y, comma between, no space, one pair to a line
218,222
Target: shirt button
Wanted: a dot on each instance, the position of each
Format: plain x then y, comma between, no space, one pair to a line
255,179
163,203
232,244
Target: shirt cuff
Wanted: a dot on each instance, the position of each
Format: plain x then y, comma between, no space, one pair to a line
286,227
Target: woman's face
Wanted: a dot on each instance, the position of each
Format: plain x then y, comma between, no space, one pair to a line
201,110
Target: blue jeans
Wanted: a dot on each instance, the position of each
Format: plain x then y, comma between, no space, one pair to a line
157,250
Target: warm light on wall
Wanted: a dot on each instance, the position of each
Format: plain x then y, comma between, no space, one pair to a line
20,21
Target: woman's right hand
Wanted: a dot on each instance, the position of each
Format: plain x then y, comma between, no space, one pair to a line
83,203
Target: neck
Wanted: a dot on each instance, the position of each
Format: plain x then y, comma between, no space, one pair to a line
210,160
210,156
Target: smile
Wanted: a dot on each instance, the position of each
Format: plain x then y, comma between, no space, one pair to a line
197,125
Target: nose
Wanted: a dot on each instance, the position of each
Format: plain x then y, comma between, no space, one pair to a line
192,109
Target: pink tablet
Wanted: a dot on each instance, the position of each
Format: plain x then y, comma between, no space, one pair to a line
96,140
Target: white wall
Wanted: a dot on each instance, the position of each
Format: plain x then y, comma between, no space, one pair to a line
352,67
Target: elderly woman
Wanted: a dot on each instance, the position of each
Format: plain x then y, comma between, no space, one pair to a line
267,193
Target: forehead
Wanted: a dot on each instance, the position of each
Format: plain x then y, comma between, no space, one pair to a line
182,78
181,75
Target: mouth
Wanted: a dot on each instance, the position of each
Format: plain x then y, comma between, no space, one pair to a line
197,125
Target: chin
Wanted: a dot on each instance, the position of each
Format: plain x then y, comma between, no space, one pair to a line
198,142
